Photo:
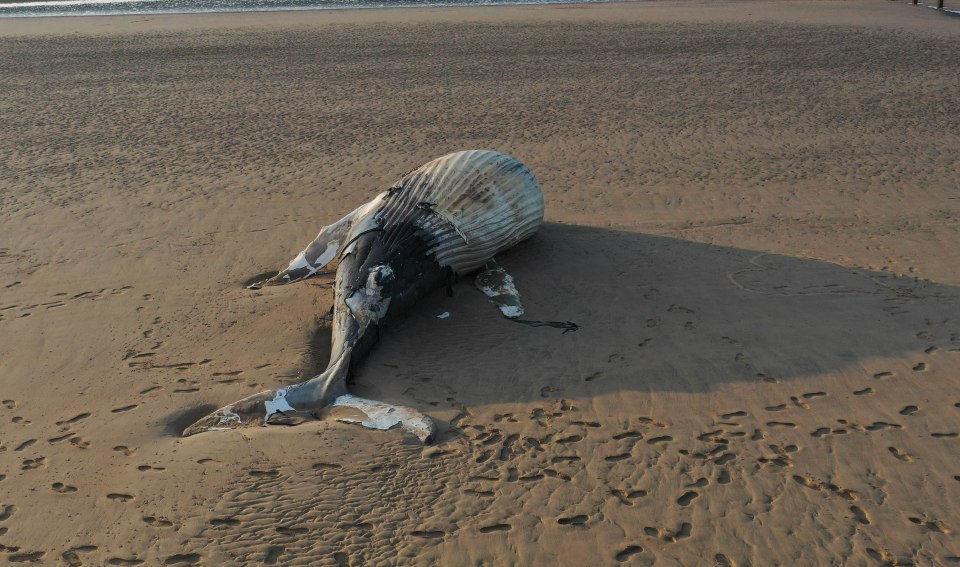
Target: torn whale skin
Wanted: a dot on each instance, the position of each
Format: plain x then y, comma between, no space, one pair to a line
446,218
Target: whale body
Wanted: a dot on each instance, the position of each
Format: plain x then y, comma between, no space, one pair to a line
447,218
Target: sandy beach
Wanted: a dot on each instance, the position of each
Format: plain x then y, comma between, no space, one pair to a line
751,211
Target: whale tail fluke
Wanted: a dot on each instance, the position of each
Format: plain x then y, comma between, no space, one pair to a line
247,412
292,404
286,405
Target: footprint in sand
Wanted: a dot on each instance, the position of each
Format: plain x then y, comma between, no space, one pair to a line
687,497
182,559
860,516
628,552
731,415
670,536
881,425
616,458
725,458
820,486
627,497
273,553
59,438
30,557
8,511
628,435
713,436
900,455
63,488
810,395
291,530
157,522
932,525
124,561
120,497
264,474
74,419
71,556
577,520
33,464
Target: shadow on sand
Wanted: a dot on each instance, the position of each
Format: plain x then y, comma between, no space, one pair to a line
657,314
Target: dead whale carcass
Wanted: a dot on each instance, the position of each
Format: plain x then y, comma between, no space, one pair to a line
447,217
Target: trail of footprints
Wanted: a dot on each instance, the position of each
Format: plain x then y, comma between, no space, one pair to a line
780,457
509,457
501,458
12,311
68,435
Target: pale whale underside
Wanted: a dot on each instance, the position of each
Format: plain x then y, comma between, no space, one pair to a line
467,207
449,216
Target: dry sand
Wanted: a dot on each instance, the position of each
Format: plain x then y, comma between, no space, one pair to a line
752,213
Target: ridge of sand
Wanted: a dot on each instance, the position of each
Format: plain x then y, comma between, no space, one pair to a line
754,223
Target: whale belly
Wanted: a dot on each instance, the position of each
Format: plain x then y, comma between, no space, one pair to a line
467,206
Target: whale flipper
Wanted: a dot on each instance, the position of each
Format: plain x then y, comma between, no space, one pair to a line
499,286
322,251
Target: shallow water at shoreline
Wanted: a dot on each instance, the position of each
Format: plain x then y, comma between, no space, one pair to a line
136,7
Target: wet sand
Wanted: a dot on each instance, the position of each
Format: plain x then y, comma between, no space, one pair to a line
752,213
